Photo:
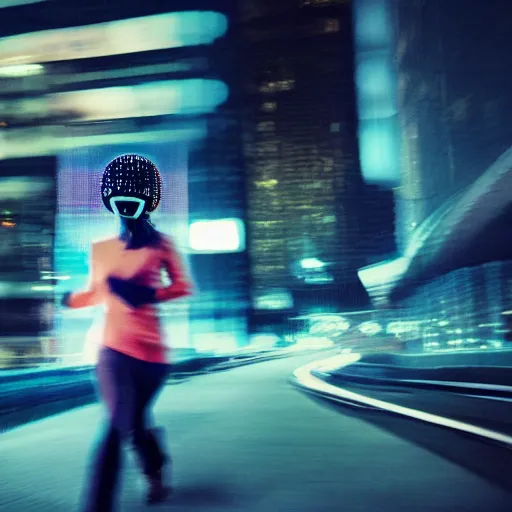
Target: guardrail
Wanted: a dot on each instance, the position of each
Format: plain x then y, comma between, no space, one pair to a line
312,378
429,360
481,381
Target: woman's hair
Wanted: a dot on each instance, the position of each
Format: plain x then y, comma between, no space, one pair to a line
140,233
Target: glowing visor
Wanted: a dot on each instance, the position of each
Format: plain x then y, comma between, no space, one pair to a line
127,207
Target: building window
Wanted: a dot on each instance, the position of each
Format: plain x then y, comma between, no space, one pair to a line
266,126
266,184
331,26
277,86
328,164
269,106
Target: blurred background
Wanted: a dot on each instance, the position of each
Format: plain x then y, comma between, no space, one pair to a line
338,177
337,172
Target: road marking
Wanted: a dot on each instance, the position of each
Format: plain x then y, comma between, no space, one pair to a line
306,379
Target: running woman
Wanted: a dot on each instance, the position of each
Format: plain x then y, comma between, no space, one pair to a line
126,277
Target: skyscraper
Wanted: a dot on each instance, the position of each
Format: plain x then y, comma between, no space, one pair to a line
305,189
454,99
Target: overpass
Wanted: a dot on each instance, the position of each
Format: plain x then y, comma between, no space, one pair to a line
467,230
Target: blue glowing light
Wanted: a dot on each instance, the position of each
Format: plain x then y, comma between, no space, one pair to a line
380,150
148,33
383,273
167,97
372,24
215,236
312,263
376,85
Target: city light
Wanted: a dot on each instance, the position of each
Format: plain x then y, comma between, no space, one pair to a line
165,97
42,288
149,33
274,300
370,328
52,140
221,235
21,70
383,273
328,325
376,83
312,263
398,328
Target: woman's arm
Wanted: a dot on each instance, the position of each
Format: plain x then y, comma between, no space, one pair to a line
181,284
136,295
90,296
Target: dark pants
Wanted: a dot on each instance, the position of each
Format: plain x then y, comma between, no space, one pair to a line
128,388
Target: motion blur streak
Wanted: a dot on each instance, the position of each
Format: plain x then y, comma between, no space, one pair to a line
305,378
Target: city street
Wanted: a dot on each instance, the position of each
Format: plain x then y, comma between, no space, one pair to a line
247,440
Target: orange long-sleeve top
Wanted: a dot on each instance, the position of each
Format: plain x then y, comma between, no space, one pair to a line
133,331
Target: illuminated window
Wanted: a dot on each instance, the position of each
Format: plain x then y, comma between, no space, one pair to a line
262,269
266,184
264,148
266,126
328,164
267,223
332,25
269,106
277,86
315,185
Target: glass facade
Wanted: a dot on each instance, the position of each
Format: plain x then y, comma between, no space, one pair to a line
304,183
453,95
27,216
468,309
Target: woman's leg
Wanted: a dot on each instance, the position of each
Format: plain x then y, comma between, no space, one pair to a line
150,378
118,391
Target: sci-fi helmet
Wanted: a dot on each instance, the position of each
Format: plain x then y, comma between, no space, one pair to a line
131,186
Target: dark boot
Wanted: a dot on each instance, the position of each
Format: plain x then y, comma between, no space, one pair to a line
158,491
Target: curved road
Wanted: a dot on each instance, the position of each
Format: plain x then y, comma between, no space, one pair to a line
246,440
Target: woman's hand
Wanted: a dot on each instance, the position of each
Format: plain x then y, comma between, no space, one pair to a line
175,291
65,300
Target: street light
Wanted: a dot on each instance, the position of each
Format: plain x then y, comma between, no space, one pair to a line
312,263
21,70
